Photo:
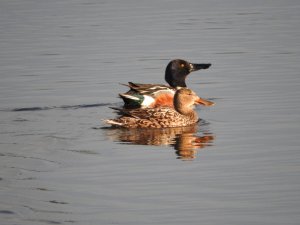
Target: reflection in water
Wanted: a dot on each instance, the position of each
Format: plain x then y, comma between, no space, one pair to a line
185,140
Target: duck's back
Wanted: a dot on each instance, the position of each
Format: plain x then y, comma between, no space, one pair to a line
160,117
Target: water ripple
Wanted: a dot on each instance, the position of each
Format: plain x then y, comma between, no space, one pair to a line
27,157
6,212
41,108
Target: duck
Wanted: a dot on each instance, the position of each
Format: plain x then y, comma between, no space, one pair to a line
181,115
154,95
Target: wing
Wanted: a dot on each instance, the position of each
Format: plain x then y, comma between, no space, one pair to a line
153,114
150,89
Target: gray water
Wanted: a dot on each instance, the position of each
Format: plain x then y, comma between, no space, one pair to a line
61,65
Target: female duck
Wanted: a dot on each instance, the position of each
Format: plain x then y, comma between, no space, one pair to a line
161,117
154,95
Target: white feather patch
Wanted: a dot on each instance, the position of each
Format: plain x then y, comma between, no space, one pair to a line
147,100
130,97
113,122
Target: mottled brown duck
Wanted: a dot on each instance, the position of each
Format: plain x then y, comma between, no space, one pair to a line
182,114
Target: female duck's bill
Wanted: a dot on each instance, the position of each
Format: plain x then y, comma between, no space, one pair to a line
162,117
154,95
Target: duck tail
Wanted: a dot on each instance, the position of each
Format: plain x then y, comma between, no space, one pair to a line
132,100
128,97
113,122
131,85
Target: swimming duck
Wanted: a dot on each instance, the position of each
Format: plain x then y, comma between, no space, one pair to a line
162,117
154,95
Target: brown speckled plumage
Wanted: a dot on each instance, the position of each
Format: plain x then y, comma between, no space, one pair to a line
161,117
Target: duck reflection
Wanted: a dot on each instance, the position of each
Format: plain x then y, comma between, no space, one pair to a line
185,140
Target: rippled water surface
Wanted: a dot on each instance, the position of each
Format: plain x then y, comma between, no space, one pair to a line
61,65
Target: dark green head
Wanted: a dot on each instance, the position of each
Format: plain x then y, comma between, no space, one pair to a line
178,69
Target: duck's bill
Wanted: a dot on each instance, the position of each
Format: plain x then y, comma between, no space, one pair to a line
195,67
204,102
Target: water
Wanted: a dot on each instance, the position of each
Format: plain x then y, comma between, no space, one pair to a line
61,63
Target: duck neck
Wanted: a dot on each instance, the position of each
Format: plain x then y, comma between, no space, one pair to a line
186,111
174,78
176,82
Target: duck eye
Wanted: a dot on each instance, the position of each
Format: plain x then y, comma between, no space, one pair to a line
182,65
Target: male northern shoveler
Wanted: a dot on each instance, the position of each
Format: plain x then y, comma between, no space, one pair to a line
162,117
153,95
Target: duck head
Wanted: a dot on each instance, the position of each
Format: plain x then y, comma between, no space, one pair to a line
185,99
178,69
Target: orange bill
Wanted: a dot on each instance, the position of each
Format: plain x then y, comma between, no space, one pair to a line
204,102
